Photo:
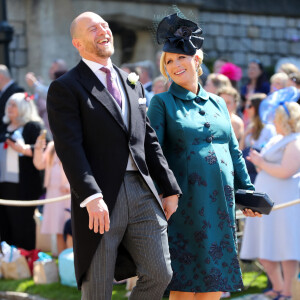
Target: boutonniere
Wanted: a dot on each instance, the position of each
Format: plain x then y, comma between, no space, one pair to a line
133,78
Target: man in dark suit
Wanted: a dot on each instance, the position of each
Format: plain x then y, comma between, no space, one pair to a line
7,87
110,153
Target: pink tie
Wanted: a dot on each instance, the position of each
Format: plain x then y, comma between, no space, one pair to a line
112,86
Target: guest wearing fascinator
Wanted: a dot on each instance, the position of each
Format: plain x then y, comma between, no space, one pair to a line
233,72
274,239
194,129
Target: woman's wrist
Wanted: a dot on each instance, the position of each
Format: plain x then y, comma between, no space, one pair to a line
26,150
260,163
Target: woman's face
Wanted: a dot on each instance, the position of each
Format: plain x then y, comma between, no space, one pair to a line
182,68
230,103
12,110
290,82
276,85
250,109
278,126
159,87
209,86
254,70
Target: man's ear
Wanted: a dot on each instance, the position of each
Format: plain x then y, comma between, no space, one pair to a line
76,43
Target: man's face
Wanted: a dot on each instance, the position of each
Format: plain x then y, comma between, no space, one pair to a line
95,36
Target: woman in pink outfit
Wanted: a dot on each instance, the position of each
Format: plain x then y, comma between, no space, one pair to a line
55,214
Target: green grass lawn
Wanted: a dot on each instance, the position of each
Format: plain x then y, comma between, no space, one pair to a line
56,291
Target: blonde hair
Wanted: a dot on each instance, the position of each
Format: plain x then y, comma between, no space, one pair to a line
229,90
288,68
283,77
219,80
27,110
288,123
162,65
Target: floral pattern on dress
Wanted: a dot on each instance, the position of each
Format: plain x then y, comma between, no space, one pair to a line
211,158
196,178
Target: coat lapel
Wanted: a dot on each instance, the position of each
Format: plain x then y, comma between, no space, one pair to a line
93,85
132,97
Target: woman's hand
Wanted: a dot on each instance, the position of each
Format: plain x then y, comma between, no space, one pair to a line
17,146
250,213
256,158
40,143
170,205
20,147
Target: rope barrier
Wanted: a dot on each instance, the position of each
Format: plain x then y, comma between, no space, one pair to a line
239,215
33,202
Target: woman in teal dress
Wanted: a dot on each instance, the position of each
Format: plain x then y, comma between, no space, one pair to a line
194,129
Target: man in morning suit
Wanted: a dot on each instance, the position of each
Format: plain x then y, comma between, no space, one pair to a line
110,153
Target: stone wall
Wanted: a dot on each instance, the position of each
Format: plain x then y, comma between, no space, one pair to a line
241,37
42,32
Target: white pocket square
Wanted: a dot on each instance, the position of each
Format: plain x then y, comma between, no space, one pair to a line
142,101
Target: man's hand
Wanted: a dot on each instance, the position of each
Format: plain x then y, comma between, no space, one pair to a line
30,79
98,215
170,205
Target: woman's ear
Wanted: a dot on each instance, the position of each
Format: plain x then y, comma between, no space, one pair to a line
197,61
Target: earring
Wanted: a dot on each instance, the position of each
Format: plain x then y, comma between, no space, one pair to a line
169,77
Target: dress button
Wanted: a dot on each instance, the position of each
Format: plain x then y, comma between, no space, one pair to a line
209,139
198,99
202,112
207,125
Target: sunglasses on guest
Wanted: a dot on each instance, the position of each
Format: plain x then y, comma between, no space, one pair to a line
249,106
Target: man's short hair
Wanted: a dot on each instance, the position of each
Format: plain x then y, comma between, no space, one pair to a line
4,71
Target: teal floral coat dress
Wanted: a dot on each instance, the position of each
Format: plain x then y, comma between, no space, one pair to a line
201,148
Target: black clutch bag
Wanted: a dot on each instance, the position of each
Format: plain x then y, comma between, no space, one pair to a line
258,202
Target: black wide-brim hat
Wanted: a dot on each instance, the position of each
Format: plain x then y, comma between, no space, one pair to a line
179,35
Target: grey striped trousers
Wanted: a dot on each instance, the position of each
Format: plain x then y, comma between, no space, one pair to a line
138,220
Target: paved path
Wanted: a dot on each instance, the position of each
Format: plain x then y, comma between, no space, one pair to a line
252,297
18,296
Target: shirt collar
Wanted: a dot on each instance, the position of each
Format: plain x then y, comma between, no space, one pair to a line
94,66
185,94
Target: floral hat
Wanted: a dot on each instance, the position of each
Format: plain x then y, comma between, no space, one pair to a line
179,35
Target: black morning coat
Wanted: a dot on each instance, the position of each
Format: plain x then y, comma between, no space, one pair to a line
93,144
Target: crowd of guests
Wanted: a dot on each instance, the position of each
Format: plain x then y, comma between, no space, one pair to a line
24,135
30,168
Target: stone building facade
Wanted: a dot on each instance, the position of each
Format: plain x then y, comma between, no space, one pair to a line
240,31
